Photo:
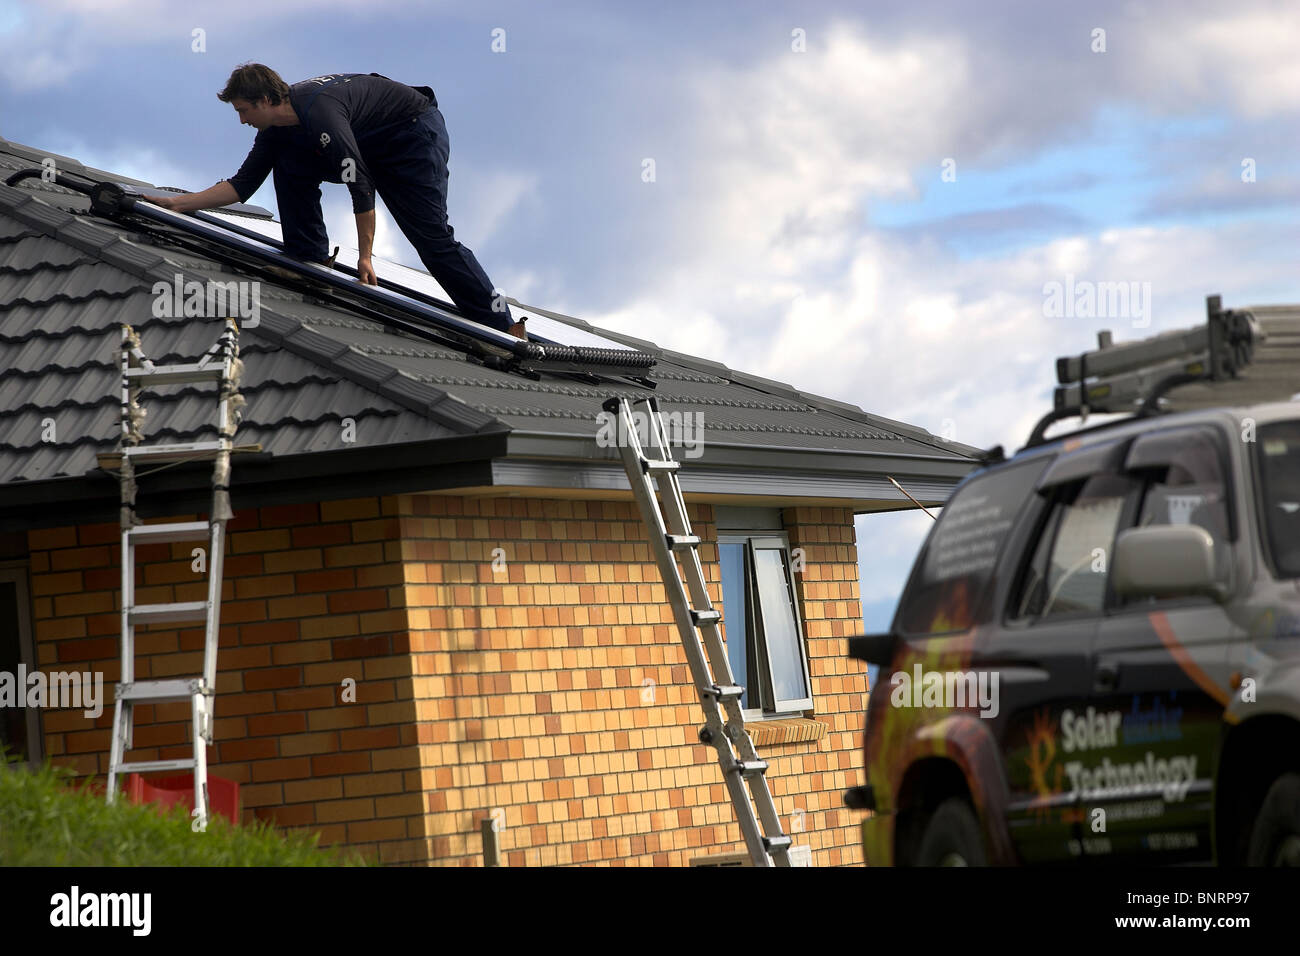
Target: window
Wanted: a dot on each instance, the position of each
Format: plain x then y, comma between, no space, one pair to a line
761,623
1184,485
19,731
1070,566
1278,448
957,563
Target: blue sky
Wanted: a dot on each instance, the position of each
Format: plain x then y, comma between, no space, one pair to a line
798,225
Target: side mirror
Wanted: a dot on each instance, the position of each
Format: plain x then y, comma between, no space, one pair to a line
1165,561
873,648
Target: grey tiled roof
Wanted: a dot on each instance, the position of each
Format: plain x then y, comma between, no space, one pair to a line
68,280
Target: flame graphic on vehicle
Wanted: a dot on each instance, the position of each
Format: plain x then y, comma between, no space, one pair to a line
1042,751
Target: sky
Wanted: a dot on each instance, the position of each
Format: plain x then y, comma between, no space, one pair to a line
866,201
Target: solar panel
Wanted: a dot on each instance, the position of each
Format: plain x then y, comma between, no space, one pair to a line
541,328
416,313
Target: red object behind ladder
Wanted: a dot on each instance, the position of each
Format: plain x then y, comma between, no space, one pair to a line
223,795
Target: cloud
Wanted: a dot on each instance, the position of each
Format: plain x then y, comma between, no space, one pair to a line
775,270
1217,193
491,200
1244,60
1021,218
56,40
887,547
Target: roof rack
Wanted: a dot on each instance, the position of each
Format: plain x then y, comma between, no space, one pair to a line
432,319
1134,376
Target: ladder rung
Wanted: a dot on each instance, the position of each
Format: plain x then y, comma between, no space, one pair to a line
176,374
112,461
658,464
777,842
724,691
705,617
176,689
680,542
149,766
175,531
751,768
166,613
196,450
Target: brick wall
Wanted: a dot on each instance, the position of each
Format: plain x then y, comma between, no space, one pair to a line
535,702
312,596
499,648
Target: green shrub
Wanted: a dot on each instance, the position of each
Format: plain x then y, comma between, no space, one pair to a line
46,822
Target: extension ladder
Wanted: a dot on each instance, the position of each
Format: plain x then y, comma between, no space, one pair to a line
676,552
220,364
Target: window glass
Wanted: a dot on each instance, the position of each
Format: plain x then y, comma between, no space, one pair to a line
1189,489
1278,449
761,624
1033,588
780,631
731,555
963,548
1080,566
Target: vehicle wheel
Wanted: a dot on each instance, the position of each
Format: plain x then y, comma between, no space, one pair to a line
952,837
1275,837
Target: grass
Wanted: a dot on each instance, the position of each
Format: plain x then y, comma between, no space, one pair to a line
45,821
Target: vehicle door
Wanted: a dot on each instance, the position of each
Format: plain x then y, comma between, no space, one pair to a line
1163,665
1051,604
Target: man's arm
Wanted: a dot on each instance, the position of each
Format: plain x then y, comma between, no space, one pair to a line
222,194
365,241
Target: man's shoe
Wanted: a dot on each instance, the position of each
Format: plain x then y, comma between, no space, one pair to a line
518,330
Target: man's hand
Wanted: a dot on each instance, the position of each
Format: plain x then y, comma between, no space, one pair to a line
366,271
174,203
222,194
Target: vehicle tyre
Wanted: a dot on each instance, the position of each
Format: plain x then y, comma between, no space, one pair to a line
952,837
1275,837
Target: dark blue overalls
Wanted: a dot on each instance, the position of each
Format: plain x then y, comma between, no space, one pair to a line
408,163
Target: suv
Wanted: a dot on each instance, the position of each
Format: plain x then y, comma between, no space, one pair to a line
1097,656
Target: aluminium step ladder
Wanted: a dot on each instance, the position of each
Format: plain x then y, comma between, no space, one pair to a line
220,365
672,541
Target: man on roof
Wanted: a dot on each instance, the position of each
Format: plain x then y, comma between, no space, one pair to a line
374,135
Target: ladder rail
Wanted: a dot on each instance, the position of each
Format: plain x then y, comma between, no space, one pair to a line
220,363
675,549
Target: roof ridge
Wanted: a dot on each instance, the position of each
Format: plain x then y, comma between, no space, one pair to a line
900,430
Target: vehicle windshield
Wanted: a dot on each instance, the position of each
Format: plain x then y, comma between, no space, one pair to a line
1279,471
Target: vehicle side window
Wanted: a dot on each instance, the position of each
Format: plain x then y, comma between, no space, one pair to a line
1189,489
1279,471
957,563
1070,566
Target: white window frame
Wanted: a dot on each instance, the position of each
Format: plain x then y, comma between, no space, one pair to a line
769,706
